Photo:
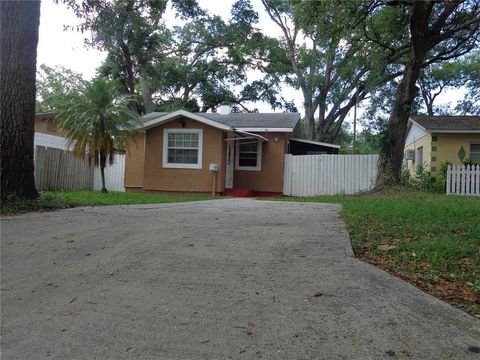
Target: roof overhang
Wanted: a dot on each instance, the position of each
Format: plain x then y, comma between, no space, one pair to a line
46,115
182,113
317,143
411,121
443,131
260,129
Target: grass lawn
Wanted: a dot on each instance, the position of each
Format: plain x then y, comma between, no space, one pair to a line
434,240
64,199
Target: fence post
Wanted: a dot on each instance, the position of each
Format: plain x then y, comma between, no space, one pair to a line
449,177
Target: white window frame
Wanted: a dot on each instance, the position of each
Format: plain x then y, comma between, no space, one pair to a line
249,168
470,152
167,165
419,156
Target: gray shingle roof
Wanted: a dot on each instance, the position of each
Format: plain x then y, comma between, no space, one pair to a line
448,123
245,120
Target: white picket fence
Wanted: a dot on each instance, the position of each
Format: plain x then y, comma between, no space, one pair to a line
463,180
114,175
308,175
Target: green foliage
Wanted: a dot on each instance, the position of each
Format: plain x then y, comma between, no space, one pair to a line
422,180
331,66
442,172
367,142
96,120
464,71
208,61
94,198
64,199
470,105
52,86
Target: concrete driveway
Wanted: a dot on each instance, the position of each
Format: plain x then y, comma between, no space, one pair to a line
228,279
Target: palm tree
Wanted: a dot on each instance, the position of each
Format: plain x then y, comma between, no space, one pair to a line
95,120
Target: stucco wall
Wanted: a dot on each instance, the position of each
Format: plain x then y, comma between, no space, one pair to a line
144,158
426,143
270,178
441,147
156,177
134,161
448,146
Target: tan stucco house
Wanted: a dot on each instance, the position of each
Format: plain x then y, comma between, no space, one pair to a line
433,140
200,152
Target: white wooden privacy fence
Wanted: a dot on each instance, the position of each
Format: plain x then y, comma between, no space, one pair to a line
307,175
58,169
114,175
463,180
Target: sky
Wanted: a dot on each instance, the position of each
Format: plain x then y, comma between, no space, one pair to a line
66,48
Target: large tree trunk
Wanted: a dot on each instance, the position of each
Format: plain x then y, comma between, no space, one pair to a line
310,109
391,156
19,23
147,94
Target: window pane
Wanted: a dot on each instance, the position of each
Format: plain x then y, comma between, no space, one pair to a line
182,156
475,148
182,148
247,160
252,147
247,154
475,158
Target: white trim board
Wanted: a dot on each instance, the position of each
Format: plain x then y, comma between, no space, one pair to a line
167,165
182,113
51,141
248,168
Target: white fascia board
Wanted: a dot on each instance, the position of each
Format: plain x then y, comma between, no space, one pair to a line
317,143
52,141
182,113
414,122
260,129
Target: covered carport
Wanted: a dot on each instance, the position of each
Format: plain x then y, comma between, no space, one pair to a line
309,147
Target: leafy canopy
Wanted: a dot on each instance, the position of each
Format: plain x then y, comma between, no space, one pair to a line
97,120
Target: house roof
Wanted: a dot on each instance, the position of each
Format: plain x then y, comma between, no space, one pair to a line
45,116
272,122
453,124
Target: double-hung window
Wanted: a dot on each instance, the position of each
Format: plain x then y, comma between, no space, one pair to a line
249,155
475,153
182,148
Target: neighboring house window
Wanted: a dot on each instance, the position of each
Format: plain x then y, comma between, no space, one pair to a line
182,148
475,153
419,157
249,155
